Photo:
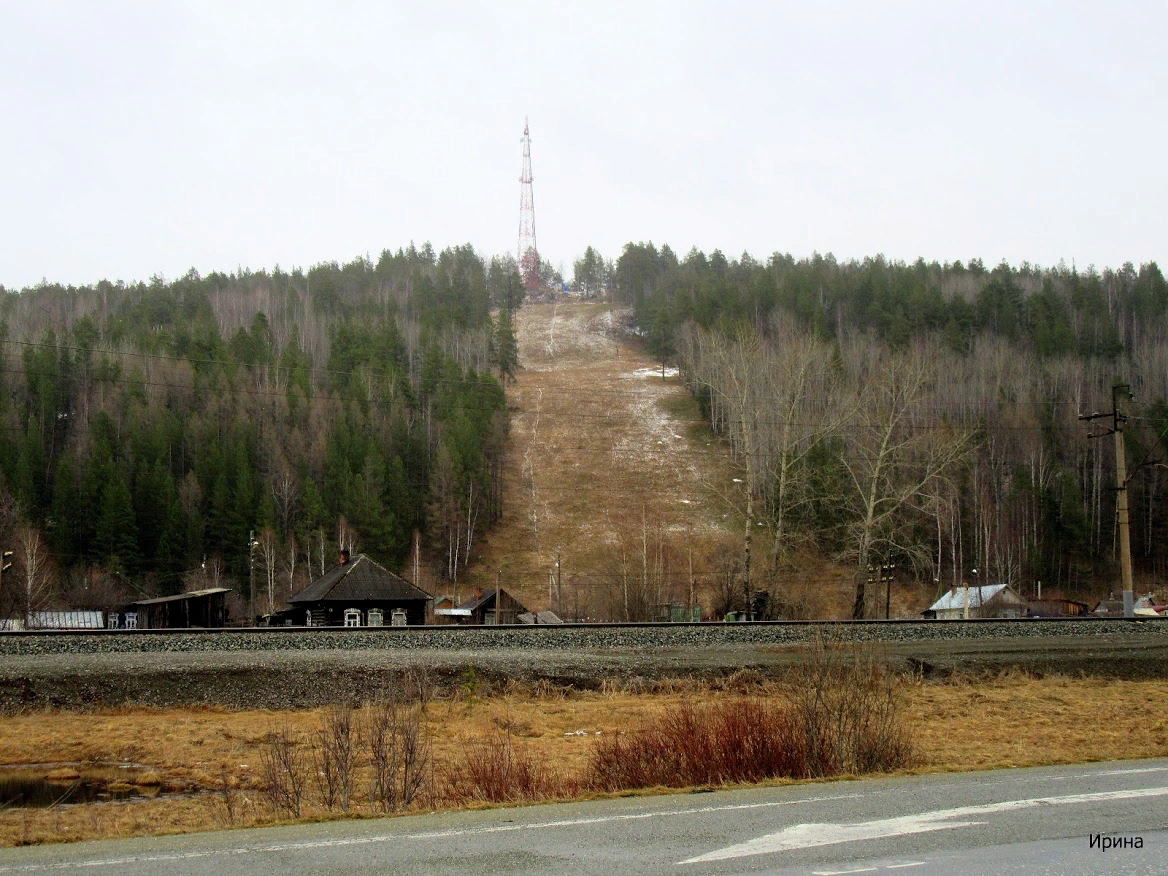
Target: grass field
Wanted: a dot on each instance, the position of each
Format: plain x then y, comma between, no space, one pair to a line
1009,721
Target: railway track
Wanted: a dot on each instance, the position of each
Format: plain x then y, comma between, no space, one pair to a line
288,667
799,629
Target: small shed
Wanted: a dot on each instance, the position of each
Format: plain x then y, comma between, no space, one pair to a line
490,607
196,608
988,601
1057,608
360,592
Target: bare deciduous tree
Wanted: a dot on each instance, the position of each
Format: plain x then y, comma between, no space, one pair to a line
891,462
269,548
35,566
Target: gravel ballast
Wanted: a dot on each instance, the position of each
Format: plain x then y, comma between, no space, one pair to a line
281,668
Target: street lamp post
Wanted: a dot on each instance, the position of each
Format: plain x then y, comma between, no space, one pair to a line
251,546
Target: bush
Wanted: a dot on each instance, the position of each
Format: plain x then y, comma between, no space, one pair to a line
849,709
843,714
499,771
283,771
398,744
745,740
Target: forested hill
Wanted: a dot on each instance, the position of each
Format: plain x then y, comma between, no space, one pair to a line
150,429
921,414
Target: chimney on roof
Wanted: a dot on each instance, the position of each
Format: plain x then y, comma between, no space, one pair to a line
478,592
344,556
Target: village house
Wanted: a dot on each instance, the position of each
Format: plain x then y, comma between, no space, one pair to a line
987,601
195,608
359,592
490,607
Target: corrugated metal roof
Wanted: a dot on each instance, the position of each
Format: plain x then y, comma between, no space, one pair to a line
978,596
360,580
190,594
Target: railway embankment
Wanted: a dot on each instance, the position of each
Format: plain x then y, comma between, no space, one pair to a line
286,668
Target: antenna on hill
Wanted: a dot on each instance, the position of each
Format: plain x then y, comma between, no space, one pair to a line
527,254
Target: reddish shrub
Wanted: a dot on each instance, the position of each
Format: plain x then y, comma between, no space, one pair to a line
500,771
737,741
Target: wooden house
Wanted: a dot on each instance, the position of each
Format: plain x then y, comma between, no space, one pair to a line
359,592
988,601
1057,607
196,608
490,607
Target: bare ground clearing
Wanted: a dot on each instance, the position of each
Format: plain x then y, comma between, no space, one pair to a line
607,460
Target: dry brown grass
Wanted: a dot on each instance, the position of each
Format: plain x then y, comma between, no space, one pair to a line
1012,720
1018,720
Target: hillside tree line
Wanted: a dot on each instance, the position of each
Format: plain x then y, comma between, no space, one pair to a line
924,415
162,435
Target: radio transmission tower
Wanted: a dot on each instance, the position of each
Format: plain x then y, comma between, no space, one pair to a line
528,254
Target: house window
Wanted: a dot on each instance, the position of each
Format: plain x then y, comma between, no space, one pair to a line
352,617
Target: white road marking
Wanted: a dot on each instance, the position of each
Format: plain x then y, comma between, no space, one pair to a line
386,838
902,866
842,872
802,836
1126,772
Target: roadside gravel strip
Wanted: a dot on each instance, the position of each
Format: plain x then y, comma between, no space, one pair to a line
290,669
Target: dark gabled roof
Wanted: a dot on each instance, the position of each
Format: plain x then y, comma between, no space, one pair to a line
488,597
479,601
360,580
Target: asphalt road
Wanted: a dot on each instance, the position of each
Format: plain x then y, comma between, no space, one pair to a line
1007,821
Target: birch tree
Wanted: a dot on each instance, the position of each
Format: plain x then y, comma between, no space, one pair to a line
36,576
269,548
894,455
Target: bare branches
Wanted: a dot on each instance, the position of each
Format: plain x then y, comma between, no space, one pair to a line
398,745
282,765
334,757
892,466
36,568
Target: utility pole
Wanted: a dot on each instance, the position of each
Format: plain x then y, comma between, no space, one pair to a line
882,574
887,570
559,592
4,564
1118,419
251,546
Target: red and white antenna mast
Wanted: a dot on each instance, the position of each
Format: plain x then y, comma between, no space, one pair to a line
528,253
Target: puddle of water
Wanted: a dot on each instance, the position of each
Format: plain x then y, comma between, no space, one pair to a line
27,786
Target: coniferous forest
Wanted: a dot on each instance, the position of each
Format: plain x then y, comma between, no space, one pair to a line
922,415
171,435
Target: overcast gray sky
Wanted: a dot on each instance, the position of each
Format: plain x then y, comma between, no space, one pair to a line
142,138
